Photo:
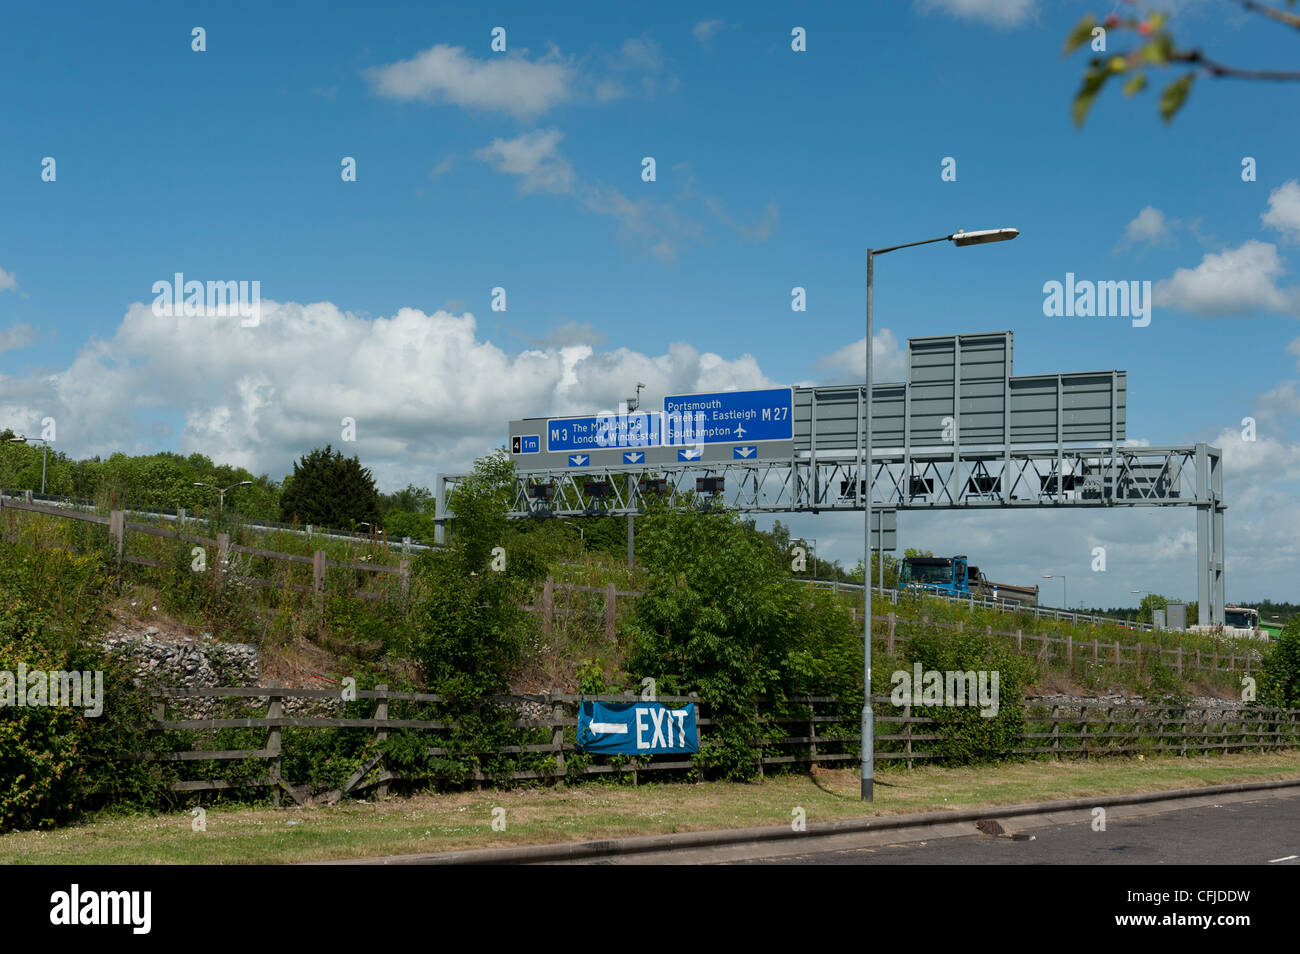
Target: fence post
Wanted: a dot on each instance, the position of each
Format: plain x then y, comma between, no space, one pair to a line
1083,730
758,724
318,571
557,731
1178,662
889,640
1215,663
1018,640
610,596
381,715
907,730
1117,650
404,575
1069,650
1042,647
548,605
1056,730
1110,726
274,710
812,731
1094,649
223,553
117,529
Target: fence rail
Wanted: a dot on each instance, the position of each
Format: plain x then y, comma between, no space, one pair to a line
804,730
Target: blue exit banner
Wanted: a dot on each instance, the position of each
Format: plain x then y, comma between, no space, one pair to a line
603,431
637,728
729,417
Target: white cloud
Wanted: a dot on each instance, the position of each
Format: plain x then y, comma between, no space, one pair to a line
1149,226
427,393
1281,403
1294,348
1002,13
847,365
1284,210
8,281
16,336
535,158
1234,282
501,83
706,30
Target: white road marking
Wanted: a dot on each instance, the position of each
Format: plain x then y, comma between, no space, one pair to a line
1287,858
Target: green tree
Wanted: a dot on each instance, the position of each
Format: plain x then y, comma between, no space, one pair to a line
1279,682
720,615
327,489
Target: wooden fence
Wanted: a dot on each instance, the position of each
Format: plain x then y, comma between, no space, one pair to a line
1041,646
808,730
226,553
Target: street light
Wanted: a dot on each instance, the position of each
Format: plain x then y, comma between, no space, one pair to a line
959,238
1064,600
1153,607
45,450
221,499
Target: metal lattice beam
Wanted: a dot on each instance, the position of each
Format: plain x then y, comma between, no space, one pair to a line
918,479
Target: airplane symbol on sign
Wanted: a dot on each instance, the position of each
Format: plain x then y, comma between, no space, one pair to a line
743,452
577,460
692,453
740,429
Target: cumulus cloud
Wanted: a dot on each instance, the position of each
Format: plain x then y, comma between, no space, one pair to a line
1284,210
535,158
1001,13
570,333
1231,283
16,336
1149,226
510,83
427,393
847,365
8,281
706,30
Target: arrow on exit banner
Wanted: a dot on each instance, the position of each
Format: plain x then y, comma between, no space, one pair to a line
691,453
577,460
743,452
607,728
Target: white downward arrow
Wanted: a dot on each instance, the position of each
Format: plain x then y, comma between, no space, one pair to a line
608,728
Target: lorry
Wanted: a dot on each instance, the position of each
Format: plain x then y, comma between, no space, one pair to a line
1237,621
955,576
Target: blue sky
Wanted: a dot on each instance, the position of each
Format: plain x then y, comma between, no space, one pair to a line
478,169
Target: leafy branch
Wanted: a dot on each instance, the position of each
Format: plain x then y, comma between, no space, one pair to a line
1156,48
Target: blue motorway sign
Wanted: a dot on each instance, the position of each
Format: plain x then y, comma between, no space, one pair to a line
603,431
729,417
526,444
637,728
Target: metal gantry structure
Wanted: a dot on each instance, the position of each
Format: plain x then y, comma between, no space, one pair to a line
934,447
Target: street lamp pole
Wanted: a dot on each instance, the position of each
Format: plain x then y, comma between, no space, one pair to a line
45,452
1064,599
958,238
221,491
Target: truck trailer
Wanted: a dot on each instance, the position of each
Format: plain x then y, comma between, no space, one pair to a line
955,576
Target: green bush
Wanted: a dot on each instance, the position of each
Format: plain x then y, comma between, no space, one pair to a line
58,761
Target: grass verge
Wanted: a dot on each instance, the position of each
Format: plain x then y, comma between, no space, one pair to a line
463,820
